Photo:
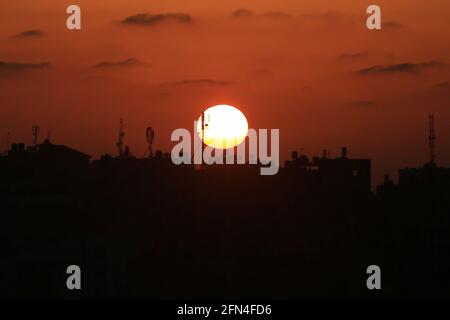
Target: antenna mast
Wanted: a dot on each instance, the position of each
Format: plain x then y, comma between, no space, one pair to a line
203,129
35,131
203,135
150,137
121,136
431,139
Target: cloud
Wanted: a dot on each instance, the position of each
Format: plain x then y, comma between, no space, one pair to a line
147,19
442,85
330,17
400,68
392,25
359,104
242,13
208,82
17,67
276,15
131,62
30,34
245,13
354,56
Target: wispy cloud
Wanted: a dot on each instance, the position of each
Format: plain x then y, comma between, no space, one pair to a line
329,16
276,15
392,25
147,19
245,13
242,13
400,68
361,55
30,34
18,67
208,82
127,63
442,85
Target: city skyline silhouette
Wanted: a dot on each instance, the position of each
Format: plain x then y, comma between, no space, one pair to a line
146,228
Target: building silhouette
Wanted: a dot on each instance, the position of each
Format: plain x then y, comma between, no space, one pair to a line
146,228
341,173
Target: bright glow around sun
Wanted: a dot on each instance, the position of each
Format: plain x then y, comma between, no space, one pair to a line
225,126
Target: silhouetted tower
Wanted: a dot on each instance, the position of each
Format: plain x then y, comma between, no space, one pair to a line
203,135
121,137
150,133
431,139
35,131
204,126
203,129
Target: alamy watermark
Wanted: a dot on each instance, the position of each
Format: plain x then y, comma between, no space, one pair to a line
188,152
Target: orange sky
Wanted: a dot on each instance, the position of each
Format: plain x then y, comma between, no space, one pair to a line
289,64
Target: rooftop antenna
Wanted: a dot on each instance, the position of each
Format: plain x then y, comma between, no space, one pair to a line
203,128
431,139
203,133
35,131
150,137
121,136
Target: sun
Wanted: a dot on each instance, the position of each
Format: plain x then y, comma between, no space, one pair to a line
225,126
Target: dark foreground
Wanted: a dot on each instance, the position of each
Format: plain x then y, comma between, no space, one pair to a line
146,229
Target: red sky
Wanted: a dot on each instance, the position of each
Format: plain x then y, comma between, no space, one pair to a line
303,66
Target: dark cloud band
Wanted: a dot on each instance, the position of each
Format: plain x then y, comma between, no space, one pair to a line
400,68
30,34
209,82
242,13
15,67
147,19
131,62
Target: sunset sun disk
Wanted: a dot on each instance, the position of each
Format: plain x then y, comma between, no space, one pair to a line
224,126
